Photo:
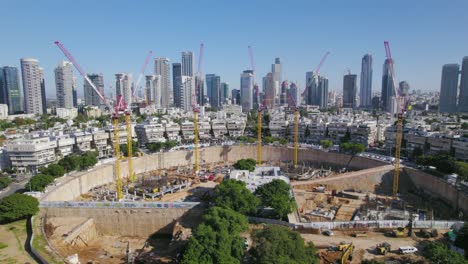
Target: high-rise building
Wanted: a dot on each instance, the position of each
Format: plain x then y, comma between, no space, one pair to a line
236,97
284,93
187,63
162,67
463,100
276,71
246,91
224,92
403,88
387,87
200,90
293,93
43,91
269,90
177,83
32,86
213,88
153,90
317,90
91,97
64,84
449,88
366,81
349,90
11,92
75,93
188,86
123,87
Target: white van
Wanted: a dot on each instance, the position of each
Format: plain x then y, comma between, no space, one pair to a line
407,250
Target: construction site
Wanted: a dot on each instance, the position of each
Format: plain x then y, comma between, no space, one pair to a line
142,209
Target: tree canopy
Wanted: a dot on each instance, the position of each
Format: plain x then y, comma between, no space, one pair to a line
157,146
245,164
54,170
278,244
438,253
353,147
79,162
39,182
326,144
4,182
124,149
445,164
233,194
462,238
17,206
276,194
217,239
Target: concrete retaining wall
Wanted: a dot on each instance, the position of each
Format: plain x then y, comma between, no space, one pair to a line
439,188
124,222
80,183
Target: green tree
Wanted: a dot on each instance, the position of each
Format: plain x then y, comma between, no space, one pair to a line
416,152
124,148
245,164
346,137
307,132
276,194
438,253
464,126
170,144
88,159
268,140
217,239
54,170
278,244
233,194
283,141
17,206
326,144
4,182
154,146
39,182
462,169
462,238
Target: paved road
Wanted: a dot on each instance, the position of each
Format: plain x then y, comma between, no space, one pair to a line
15,186
345,175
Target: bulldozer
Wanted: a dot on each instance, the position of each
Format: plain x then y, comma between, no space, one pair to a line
383,248
343,246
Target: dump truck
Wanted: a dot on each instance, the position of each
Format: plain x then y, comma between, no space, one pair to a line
383,248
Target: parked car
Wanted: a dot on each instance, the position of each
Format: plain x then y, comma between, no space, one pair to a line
328,232
407,250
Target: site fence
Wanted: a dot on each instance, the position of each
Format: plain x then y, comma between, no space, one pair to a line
144,205
380,224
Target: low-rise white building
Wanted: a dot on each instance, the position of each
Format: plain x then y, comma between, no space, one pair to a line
3,111
172,131
27,155
150,132
261,175
235,127
219,128
66,113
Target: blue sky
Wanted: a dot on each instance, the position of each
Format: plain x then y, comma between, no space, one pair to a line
114,36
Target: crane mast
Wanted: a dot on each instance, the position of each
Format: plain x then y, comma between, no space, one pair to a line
399,123
259,110
195,112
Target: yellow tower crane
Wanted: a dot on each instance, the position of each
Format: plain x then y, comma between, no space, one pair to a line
296,135
400,108
196,110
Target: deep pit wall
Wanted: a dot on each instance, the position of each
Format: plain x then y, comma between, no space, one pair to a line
439,188
80,183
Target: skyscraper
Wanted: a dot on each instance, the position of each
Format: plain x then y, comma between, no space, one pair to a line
187,63
293,92
270,91
284,93
463,100
387,87
366,81
153,90
276,70
236,98
317,90
11,91
162,67
177,83
123,87
200,90
32,86
91,97
246,93
349,90
322,92
213,88
188,86
64,84
224,92
43,91
449,88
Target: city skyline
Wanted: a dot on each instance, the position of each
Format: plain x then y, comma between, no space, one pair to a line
412,44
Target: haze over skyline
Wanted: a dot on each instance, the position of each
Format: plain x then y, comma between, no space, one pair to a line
113,37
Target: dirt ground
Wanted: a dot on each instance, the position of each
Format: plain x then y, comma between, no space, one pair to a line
14,235
364,246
